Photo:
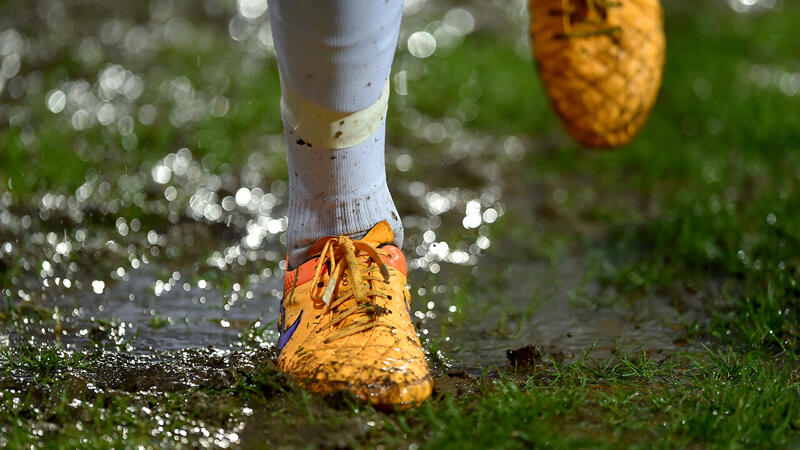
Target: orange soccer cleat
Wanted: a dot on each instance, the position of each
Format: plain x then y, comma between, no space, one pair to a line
601,63
346,322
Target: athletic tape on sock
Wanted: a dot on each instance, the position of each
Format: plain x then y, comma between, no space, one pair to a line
327,128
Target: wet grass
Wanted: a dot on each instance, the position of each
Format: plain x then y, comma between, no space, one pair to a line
718,398
699,211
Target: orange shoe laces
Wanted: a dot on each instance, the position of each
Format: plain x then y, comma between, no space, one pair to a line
597,11
343,253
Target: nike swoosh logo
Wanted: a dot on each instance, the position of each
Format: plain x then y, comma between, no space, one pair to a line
287,333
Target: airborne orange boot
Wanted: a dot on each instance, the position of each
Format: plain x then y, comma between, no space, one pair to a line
346,322
601,63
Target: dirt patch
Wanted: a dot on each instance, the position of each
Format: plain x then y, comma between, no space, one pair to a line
527,356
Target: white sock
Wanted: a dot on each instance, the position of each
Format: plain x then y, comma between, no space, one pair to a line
344,195
334,58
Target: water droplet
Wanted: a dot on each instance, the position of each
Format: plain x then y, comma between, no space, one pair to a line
771,218
421,44
98,286
56,100
252,9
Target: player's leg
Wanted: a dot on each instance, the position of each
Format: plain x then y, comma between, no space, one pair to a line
345,317
334,59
